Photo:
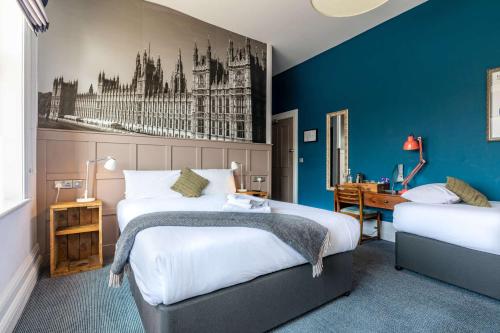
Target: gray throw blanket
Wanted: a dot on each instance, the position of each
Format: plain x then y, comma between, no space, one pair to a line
307,237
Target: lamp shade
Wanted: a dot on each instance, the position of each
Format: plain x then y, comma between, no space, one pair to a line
411,144
110,163
234,165
345,8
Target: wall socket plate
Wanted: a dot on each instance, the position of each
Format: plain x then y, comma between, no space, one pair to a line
63,183
78,183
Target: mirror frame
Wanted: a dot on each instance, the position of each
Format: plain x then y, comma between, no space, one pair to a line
329,117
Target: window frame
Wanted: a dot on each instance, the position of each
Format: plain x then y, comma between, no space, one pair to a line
28,114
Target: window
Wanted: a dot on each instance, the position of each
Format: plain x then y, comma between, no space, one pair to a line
220,128
12,133
240,130
201,126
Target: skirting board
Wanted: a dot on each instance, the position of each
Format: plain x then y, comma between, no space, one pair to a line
18,290
387,233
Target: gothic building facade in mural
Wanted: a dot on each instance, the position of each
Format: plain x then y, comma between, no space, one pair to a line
227,100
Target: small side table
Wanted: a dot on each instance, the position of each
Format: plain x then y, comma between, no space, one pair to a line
75,237
260,194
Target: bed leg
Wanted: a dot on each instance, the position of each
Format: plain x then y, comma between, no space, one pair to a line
398,268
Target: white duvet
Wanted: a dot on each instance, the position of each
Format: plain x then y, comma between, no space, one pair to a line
464,225
176,263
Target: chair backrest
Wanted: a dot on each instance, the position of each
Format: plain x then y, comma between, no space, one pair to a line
347,195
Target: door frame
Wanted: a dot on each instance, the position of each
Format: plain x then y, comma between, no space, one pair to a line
294,114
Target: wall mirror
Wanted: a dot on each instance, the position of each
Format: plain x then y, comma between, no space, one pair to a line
337,148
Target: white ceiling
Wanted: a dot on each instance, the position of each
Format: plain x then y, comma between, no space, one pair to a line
296,31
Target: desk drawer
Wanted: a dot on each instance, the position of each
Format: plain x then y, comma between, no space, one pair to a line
380,200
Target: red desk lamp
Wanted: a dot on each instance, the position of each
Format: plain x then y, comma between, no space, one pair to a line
412,144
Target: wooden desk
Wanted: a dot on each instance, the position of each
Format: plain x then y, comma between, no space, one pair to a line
382,200
375,196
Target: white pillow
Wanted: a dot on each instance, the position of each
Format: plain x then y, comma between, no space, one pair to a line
432,194
150,184
219,180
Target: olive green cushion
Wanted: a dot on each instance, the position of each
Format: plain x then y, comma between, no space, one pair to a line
190,184
467,193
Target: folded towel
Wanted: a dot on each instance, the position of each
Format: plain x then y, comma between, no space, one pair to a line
232,208
240,198
241,204
245,200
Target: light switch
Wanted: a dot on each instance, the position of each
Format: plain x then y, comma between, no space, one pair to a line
301,160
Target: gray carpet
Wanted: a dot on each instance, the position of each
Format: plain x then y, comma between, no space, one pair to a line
383,300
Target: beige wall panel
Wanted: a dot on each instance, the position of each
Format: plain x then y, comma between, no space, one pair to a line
238,155
108,252
66,156
110,230
110,191
150,157
41,175
125,155
183,157
212,158
259,161
64,194
62,155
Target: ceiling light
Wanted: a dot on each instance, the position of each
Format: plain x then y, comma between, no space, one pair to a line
345,8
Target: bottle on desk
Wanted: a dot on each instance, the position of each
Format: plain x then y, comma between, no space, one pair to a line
349,176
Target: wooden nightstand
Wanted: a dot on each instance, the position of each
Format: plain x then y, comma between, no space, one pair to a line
75,237
260,194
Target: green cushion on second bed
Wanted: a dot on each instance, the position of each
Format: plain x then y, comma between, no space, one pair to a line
467,193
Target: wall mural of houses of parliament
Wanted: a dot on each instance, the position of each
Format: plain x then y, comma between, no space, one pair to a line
226,101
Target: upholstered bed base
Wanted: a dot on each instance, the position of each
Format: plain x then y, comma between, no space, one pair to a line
470,269
254,306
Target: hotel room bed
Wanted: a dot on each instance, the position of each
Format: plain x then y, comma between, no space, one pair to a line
455,243
185,272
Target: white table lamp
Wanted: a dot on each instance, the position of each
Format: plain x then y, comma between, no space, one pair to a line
235,166
109,164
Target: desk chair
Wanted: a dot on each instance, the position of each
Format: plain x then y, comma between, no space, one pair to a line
349,201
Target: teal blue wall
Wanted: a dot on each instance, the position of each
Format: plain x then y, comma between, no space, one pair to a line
423,72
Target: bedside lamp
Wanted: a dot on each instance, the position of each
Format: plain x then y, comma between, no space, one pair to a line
235,166
109,164
412,144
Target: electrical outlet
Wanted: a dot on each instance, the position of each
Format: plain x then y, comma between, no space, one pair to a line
63,184
78,183
400,177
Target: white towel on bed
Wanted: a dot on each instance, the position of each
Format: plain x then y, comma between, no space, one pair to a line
246,203
264,208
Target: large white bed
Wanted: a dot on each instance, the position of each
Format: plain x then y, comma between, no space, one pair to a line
475,228
172,264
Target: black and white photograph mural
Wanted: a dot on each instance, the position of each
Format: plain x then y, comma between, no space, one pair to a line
147,69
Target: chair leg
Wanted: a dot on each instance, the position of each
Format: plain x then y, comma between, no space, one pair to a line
379,225
360,231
